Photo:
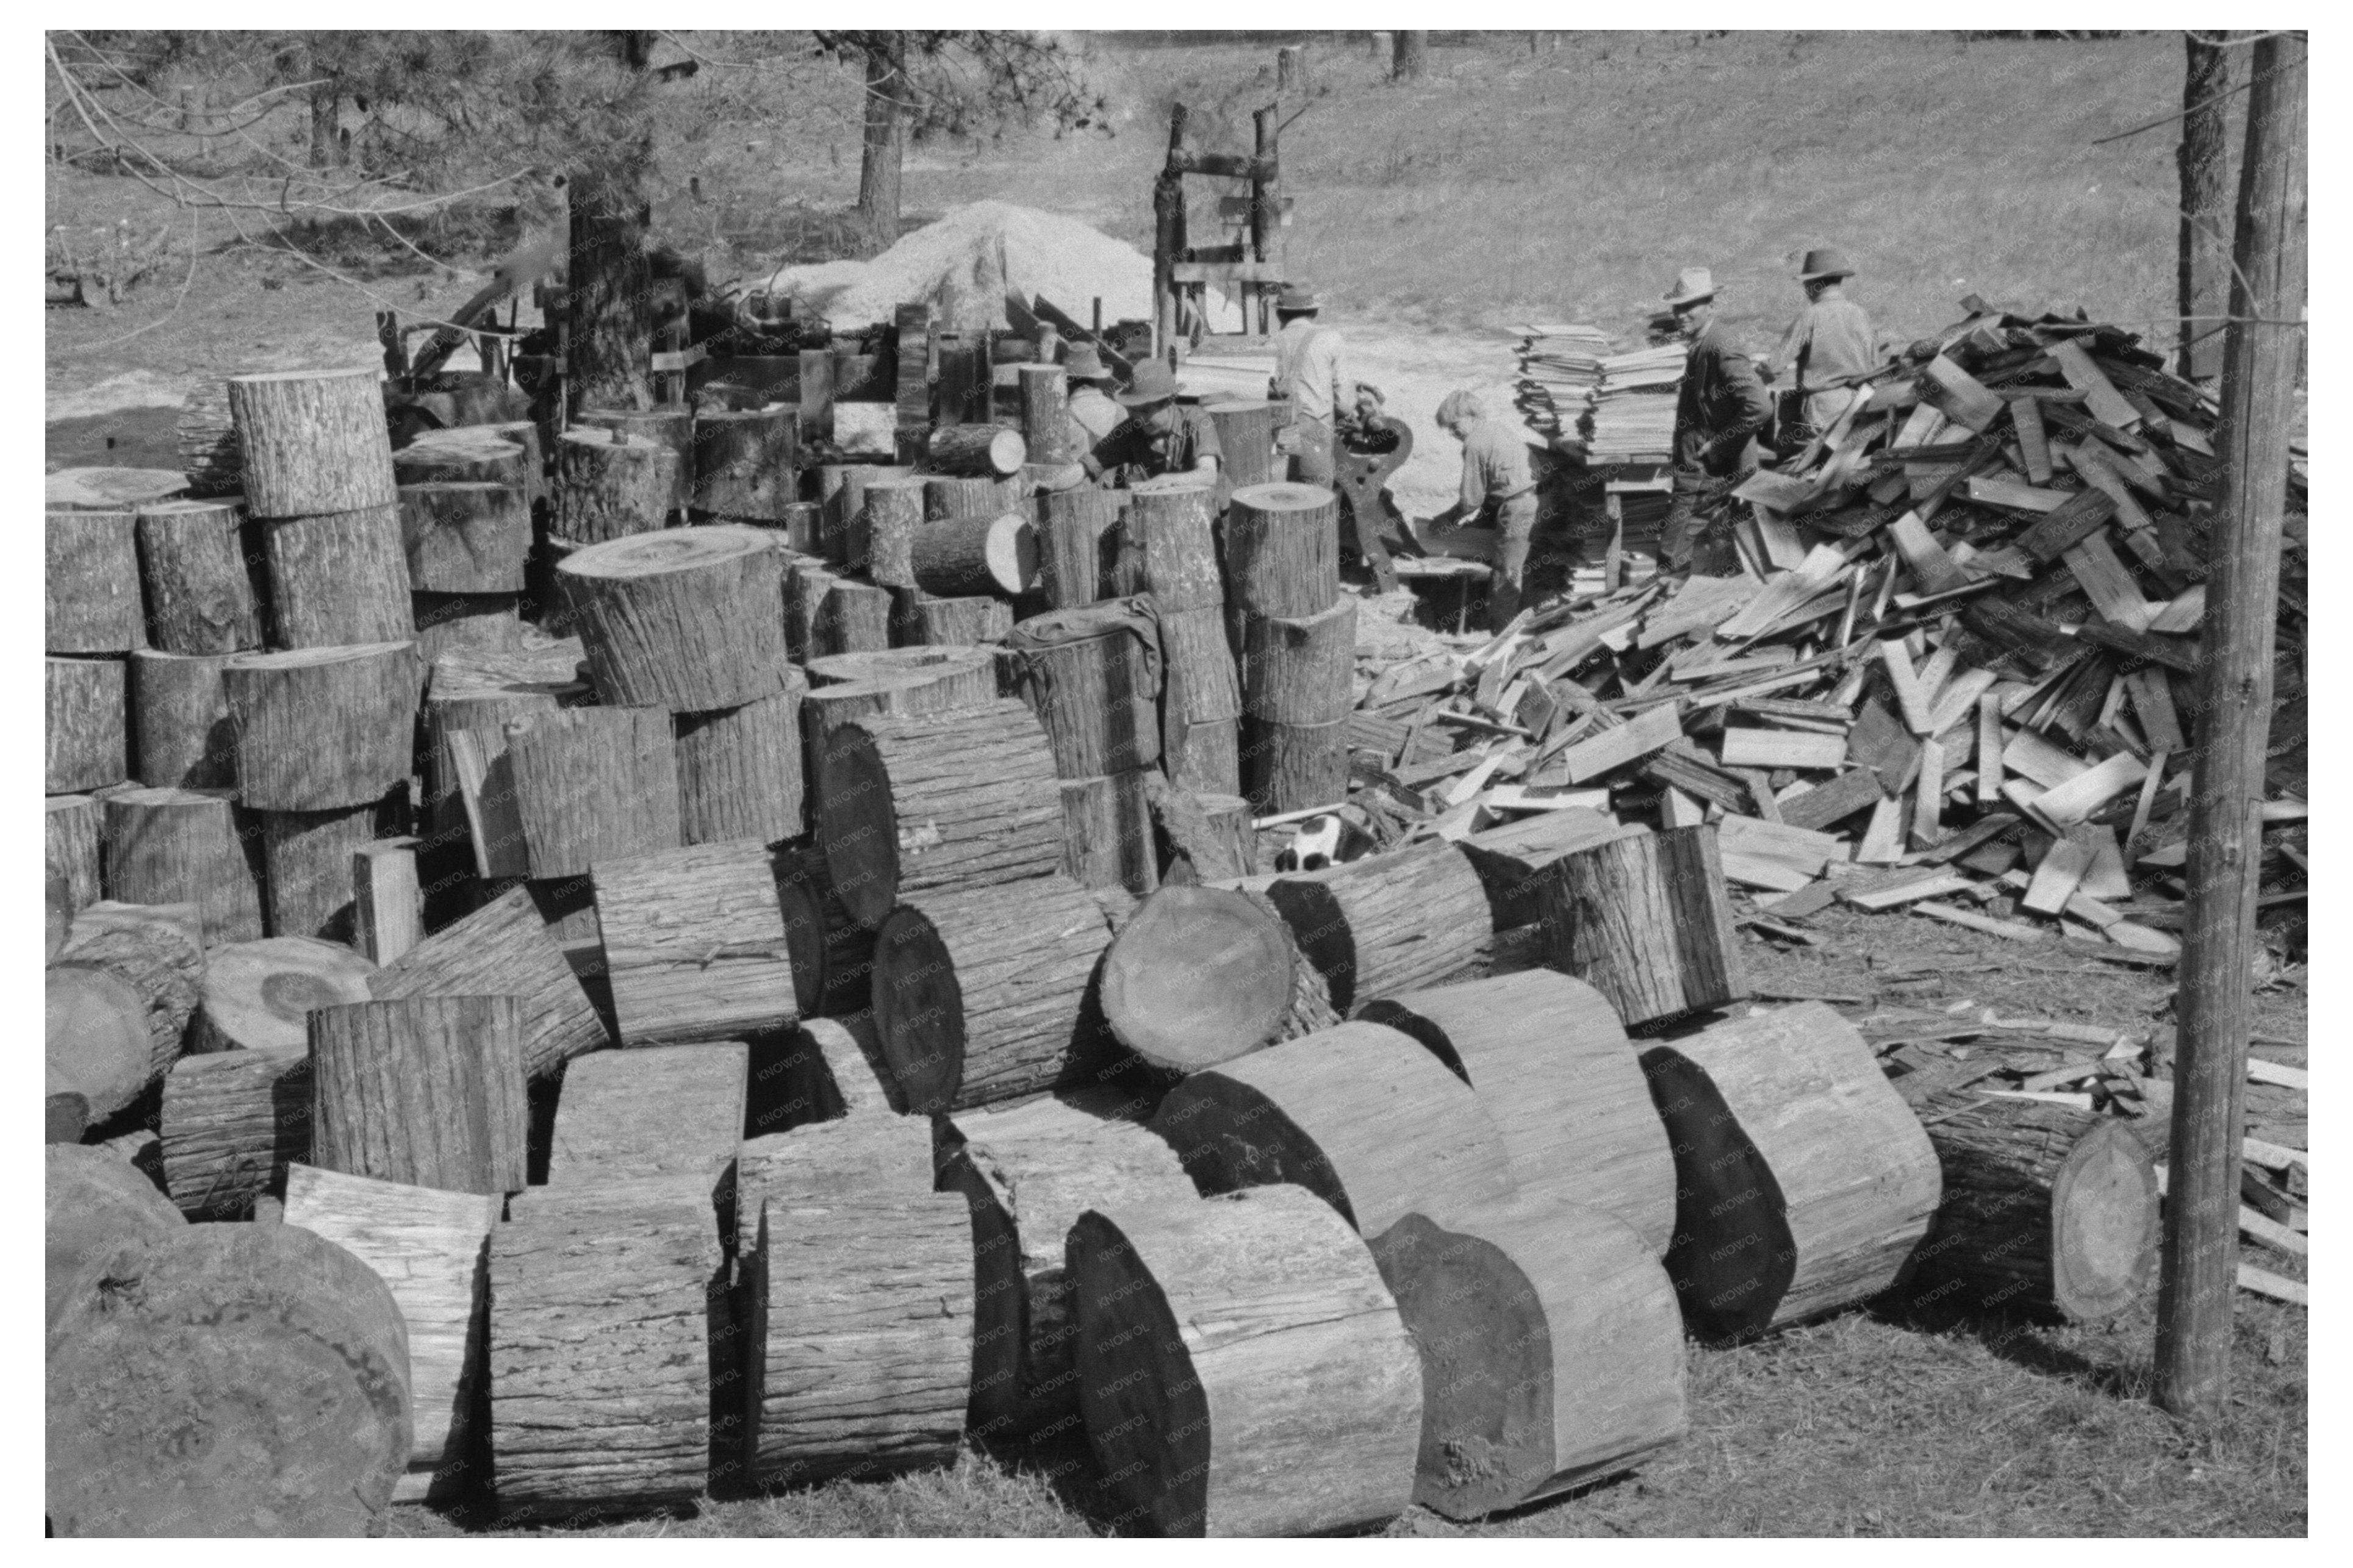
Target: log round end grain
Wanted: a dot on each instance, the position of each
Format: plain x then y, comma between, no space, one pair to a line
259,994
1199,976
1282,549
91,1200
98,1042
2103,1208
919,1010
685,618
226,1380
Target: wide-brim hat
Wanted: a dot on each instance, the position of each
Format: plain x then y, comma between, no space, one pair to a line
1082,363
1297,296
1825,262
1691,285
1154,382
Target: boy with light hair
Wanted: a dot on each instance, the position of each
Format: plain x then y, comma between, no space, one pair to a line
1496,485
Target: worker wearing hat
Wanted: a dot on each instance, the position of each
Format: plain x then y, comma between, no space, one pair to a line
1719,410
1828,348
1498,487
1307,372
1159,436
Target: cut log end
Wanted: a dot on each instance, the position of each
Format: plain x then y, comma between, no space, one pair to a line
919,1010
1199,976
2105,1224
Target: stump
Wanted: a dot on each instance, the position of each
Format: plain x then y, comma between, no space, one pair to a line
980,552
200,562
247,1380
312,441
739,770
1551,1068
86,744
1200,976
806,588
71,832
1388,923
746,462
1242,1370
119,999
1282,549
601,1371
258,996
425,1090
685,619
856,619
466,623
90,578
1294,671
861,1334
920,620
1551,1353
591,784
670,427
936,802
231,1124
1082,546
611,484
2046,1207
431,1250
1107,833
991,451
1361,1115
504,949
672,1112
321,729
1092,677
1029,1171
1170,521
306,863
1513,859
462,538
1802,1180
891,514
93,1199
695,942
984,993
337,579
841,490
182,733
1646,922
179,846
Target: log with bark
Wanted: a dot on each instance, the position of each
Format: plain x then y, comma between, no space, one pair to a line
86,743
472,453
1107,832
1028,1171
306,863
1388,923
990,451
830,1069
856,619
387,899
894,682
119,1000
504,949
338,578
975,553
1803,1181
466,623
746,462
945,498
919,619
1282,549
677,1111
181,846
231,1124
91,1200
200,562
432,1249
1513,859
1242,1370
1647,921
739,770
1552,1352
205,436
833,955
1200,976
1082,547
313,442
425,1090
321,729
1549,1063
181,737
685,619
1294,670
841,492
1293,767
1202,838
611,484
983,992
592,784
465,537
1360,1114
670,427
1171,520
1044,392
860,1329
258,996
1092,677
695,942
891,514
1201,701
227,1381
958,800
806,587
91,582
2048,1209
73,827
889,1158
478,690
606,1301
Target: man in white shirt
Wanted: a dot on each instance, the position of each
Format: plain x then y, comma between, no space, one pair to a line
1307,371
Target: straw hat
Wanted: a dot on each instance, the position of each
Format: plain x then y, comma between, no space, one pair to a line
1691,285
1155,383
1297,296
1824,262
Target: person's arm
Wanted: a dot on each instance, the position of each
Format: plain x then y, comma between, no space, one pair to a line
1207,454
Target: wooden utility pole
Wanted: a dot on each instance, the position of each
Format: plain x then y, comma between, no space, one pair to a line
2234,689
1412,55
2204,161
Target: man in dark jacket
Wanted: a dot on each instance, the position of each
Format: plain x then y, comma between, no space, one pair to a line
1720,409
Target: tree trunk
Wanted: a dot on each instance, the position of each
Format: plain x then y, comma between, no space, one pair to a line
430,1248
1028,1171
892,512
1646,920
592,783
856,619
1200,976
684,619
306,861
747,464
884,140
1295,700
259,994
1080,542
338,579
608,296
84,744
1202,837
606,1297
610,484
504,949
255,1381
841,487
695,942
1107,833
159,965
231,1124
1242,1368
1552,1355
315,442
427,1090
925,621
93,1199
981,453
90,578
1802,1180
1282,549
200,560
958,800
2202,161
1388,923
670,427
988,554
72,829
1551,1068
672,1112
1246,446
321,729
1046,415
465,537
739,771
861,1335
177,845
1411,57
327,149
1092,679
1172,521
983,992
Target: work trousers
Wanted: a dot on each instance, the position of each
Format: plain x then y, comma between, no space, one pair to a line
1515,525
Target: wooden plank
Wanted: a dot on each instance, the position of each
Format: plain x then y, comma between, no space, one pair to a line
1959,700
2111,588
1931,566
2064,865
1927,884
389,904
1763,871
2081,906
2279,1287
1649,732
1759,748
2097,472
2101,398
1880,742
1953,914
2033,441
2082,515
1906,682
2152,705
2180,616
1882,841
1928,797
2106,878
1960,396
1988,490
2067,803
1835,801
1801,846
1920,427
1677,809
2031,756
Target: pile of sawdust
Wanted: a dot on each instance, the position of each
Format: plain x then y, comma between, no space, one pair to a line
962,266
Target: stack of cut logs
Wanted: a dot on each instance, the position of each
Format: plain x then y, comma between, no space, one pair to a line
992,1089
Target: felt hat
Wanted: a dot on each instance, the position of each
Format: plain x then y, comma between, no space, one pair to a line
1693,284
1824,262
1297,296
1155,383
1082,363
